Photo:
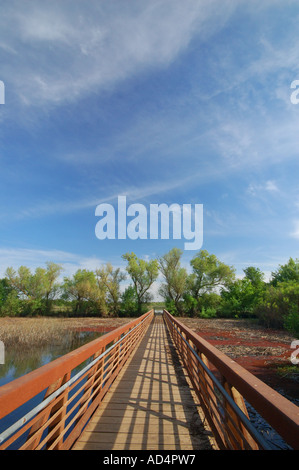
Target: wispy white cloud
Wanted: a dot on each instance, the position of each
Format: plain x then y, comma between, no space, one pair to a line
232,117
91,46
34,258
269,186
295,232
134,193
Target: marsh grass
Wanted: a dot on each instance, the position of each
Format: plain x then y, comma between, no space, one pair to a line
289,371
25,334
31,333
31,342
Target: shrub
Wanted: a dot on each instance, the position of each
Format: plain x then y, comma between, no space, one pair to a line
208,312
129,303
280,306
171,307
12,306
240,298
291,322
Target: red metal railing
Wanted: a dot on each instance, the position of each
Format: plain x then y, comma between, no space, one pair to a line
68,390
72,386
223,387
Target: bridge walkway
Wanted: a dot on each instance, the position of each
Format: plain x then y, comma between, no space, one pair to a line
150,406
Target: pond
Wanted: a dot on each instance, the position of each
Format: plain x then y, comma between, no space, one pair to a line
21,362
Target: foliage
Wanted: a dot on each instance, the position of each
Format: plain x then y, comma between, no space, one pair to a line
240,298
129,303
291,322
12,306
143,274
208,312
37,289
5,290
170,307
175,277
286,272
111,278
191,305
280,306
209,304
255,276
206,306
208,273
208,290
88,295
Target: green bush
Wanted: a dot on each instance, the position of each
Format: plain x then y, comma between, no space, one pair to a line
280,306
291,322
171,307
208,312
191,305
240,298
12,307
129,303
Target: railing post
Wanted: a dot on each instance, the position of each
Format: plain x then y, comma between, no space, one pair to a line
238,399
35,429
210,401
60,418
92,377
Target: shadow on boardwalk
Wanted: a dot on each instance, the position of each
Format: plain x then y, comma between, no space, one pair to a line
150,405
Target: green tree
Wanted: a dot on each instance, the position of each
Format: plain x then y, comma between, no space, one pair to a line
176,278
51,286
286,272
280,306
143,274
209,304
239,298
5,289
10,304
129,303
208,273
255,276
12,307
87,295
37,289
111,278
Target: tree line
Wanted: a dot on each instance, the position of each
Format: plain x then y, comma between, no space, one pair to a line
208,289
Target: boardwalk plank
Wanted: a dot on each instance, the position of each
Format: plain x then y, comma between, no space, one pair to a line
150,405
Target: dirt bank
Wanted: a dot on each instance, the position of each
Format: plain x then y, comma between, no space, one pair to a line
261,351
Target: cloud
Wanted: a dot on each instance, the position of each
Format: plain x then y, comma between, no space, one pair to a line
295,232
271,186
134,193
60,52
33,258
255,189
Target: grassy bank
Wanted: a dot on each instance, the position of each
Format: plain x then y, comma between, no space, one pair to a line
27,333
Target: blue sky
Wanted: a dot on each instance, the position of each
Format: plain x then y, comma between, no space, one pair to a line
164,101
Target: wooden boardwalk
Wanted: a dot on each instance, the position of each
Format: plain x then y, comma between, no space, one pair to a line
150,406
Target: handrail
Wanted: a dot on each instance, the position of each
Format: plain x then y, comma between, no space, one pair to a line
70,396
222,385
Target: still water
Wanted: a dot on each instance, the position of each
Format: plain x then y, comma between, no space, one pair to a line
18,363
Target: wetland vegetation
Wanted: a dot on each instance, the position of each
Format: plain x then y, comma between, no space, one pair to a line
42,312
